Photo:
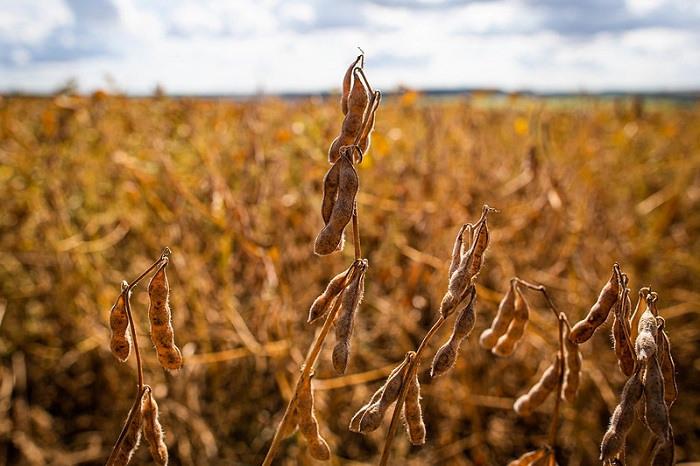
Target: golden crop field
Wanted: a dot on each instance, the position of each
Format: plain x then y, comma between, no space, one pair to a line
92,189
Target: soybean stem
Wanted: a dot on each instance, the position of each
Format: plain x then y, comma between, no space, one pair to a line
560,385
306,369
410,372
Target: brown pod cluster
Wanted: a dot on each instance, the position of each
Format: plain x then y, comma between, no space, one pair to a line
162,334
320,306
646,335
668,367
132,437
344,324
504,315
655,409
330,237
120,340
470,262
153,431
308,425
621,331
540,391
572,369
446,356
622,418
413,414
373,414
357,103
508,341
598,314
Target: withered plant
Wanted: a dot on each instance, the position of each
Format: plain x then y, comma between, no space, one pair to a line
339,303
143,414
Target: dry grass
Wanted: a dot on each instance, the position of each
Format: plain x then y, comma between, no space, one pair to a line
91,189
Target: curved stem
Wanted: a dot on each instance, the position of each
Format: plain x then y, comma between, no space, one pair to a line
542,289
560,386
410,372
306,369
356,233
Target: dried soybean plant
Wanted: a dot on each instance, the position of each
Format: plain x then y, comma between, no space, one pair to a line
143,414
402,386
339,302
560,377
649,365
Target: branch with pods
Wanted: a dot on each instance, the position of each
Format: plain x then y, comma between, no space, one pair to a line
339,302
143,414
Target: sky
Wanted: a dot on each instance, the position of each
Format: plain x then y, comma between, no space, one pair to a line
272,46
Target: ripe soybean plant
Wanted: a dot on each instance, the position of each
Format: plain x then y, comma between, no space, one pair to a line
144,412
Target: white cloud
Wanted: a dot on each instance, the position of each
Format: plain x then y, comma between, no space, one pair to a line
218,46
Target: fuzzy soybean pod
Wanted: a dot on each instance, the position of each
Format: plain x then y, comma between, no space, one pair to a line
347,83
646,335
153,431
668,366
540,391
638,310
620,332
572,369
622,418
530,458
413,414
504,315
120,340
344,325
352,124
584,329
368,126
162,333
446,356
132,437
656,411
320,306
479,245
355,421
507,342
329,238
372,417
308,425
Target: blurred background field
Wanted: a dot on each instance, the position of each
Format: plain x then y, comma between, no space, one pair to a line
93,187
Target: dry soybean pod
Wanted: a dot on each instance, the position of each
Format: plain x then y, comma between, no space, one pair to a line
368,127
637,314
355,421
668,366
529,458
413,414
347,82
584,329
345,320
321,304
540,391
446,356
645,344
656,411
308,424
129,443
162,334
479,245
331,182
665,454
504,315
352,124
372,417
621,331
457,248
329,238
622,418
120,340
152,430
572,368
507,342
